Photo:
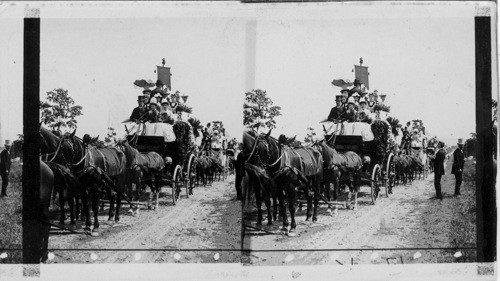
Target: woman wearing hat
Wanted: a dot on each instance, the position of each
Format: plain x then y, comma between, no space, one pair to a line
351,113
165,111
363,112
153,113
158,98
5,167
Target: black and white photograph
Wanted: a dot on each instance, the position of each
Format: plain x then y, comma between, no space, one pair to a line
249,140
361,136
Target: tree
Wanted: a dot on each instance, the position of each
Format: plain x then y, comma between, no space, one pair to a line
258,110
59,110
310,136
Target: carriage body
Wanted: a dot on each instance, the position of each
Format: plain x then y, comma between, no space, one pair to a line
180,172
378,171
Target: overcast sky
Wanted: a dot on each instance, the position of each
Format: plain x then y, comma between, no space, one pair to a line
421,56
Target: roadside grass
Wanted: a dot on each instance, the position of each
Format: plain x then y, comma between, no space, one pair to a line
11,219
463,225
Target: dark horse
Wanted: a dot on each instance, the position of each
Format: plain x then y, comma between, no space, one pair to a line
142,167
340,167
290,168
103,167
58,150
300,165
46,186
257,151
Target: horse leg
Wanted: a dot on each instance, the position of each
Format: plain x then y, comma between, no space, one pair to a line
356,189
62,216
71,204
258,201
284,218
316,200
292,200
157,190
95,210
275,208
118,205
86,200
112,197
348,202
309,202
269,212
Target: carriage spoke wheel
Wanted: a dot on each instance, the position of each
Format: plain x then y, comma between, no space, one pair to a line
191,174
176,186
375,183
390,173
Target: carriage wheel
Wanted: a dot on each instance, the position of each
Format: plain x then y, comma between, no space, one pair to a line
390,173
176,186
375,183
190,174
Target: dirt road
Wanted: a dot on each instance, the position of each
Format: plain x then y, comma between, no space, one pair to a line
407,219
209,219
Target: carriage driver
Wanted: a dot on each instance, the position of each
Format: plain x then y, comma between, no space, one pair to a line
336,112
140,111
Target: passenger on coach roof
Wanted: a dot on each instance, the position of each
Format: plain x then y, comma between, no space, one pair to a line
356,88
140,111
158,89
147,96
337,111
363,112
351,113
153,113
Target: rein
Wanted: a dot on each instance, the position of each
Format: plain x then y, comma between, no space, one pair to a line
253,149
56,152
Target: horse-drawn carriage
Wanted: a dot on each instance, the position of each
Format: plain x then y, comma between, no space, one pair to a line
175,143
372,146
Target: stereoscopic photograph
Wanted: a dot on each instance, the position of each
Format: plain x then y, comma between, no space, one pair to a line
250,135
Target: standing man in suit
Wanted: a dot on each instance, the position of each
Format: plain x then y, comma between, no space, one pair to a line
5,167
439,169
458,165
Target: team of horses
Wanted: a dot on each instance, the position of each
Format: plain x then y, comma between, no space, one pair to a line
82,172
277,173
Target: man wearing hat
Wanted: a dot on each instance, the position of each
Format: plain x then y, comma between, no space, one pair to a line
458,165
439,169
140,111
5,167
336,111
